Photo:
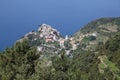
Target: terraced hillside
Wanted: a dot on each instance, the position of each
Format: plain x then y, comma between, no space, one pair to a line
97,32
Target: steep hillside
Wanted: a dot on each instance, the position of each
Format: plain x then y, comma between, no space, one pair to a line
97,32
22,62
102,24
48,41
93,53
109,59
112,47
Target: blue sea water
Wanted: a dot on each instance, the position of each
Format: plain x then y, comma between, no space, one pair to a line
18,17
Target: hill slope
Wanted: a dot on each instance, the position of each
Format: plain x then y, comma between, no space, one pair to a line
97,32
40,55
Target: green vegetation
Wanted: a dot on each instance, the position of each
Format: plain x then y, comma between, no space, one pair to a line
104,28
93,26
18,62
67,45
24,62
35,40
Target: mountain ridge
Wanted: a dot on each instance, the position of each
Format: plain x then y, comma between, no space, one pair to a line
97,31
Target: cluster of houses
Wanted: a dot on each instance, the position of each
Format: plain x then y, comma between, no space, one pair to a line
48,33
51,34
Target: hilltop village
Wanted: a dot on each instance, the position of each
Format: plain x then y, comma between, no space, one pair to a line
49,38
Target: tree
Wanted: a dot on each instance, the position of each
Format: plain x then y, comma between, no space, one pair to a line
18,62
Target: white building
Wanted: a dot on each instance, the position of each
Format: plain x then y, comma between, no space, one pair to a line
66,37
